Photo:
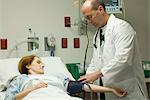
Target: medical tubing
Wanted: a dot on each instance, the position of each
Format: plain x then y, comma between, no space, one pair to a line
90,90
85,52
86,48
96,38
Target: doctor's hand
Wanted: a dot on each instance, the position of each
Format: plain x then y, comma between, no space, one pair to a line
119,92
90,77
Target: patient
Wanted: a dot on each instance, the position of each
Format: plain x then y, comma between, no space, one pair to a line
32,80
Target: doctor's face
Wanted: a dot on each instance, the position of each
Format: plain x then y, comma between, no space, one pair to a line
94,17
36,67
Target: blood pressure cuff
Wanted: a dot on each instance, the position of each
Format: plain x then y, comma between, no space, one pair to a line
74,87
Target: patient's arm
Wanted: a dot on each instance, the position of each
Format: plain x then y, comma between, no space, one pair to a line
25,92
97,88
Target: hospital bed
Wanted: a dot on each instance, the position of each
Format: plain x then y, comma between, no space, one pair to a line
53,66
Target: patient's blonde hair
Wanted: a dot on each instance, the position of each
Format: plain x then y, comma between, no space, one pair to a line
25,61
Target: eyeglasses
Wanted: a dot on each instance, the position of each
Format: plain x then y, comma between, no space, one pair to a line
91,16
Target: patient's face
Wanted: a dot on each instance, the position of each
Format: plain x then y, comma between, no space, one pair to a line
36,67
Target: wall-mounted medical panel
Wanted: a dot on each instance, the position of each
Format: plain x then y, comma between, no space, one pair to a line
46,46
114,6
3,44
76,42
64,42
67,21
33,43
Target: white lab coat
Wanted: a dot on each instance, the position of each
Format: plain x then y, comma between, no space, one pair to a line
119,61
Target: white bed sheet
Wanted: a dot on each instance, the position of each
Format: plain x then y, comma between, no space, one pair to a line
2,94
54,91
49,93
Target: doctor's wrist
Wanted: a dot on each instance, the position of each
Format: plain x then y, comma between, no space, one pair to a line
99,74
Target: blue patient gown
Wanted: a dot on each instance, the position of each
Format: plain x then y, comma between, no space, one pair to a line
14,86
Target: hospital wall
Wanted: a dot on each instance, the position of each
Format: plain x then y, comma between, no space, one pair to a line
0,18
137,14
46,17
149,28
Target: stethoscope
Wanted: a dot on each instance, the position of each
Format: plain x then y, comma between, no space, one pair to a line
101,37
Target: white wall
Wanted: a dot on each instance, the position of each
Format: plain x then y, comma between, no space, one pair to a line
44,17
0,17
136,13
149,27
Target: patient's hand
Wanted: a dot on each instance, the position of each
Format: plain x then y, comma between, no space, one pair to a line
22,94
119,92
41,85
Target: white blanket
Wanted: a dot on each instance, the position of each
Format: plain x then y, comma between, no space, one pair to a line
54,91
50,93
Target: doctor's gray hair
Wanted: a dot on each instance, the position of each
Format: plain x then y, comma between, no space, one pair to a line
96,3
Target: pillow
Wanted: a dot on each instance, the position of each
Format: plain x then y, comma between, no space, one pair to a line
8,68
53,66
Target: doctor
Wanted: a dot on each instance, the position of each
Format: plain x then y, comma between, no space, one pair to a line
116,59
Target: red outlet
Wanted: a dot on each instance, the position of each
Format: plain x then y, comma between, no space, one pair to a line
64,42
3,44
67,21
76,43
